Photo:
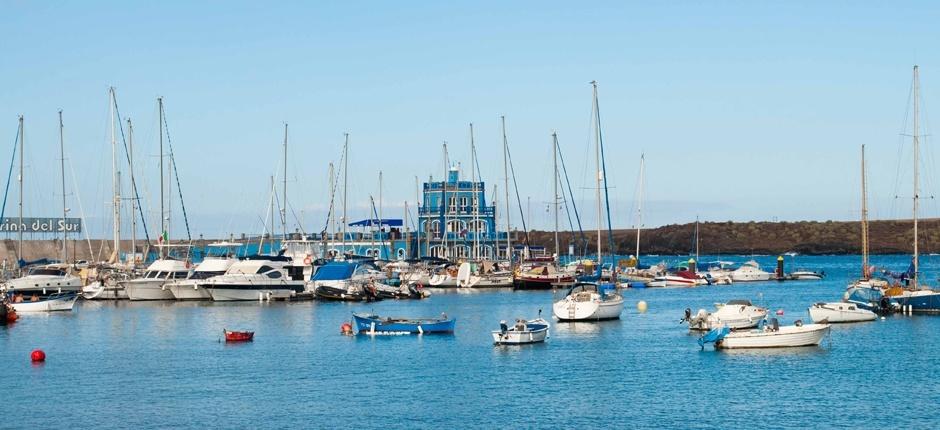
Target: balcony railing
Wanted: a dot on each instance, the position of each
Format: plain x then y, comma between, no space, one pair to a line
456,210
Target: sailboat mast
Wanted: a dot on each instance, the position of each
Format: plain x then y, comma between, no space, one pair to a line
696,239
555,190
65,232
19,227
116,184
130,147
600,174
331,220
444,202
284,188
163,232
506,187
475,201
381,222
864,218
345,185
916,178
639,205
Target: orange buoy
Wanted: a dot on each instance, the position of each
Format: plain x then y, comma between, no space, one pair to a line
346,328
37,356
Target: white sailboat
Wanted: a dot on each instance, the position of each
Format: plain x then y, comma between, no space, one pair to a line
589,301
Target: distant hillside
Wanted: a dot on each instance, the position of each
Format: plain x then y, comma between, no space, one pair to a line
804,237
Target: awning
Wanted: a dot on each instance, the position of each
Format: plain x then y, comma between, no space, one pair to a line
376,223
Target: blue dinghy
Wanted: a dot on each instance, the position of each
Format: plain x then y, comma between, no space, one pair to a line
374,324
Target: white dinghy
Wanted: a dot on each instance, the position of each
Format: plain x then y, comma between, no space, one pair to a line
522,333
771,335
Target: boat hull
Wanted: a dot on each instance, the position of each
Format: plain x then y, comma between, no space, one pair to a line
259,293
840,313
594,310
786,337
189,291
53,303
926,301
520,337
147,289
98,291
547,283
375,325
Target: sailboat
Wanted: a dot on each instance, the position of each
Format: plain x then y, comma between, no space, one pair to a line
917,297
43,288
588,301
166,269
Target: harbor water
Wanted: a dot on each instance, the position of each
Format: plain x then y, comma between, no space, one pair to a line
162,364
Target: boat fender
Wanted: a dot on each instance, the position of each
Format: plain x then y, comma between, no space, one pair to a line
798,323
308,260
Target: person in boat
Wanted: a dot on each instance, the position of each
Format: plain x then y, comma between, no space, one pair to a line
520,325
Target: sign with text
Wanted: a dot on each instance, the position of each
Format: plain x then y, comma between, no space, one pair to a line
41,225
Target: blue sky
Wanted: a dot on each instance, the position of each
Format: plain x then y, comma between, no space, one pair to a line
745,111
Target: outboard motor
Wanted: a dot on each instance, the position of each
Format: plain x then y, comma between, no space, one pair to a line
688,315
775,324
884,305
503,327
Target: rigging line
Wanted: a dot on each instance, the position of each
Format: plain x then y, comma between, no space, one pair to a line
518,199
81,209
388,250
176,175
16,143
296,218
329,212
143,221
600,139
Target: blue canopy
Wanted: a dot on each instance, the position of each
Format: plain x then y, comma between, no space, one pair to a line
335,271
375,222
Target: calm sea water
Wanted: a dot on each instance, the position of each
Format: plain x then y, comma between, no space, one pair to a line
157,365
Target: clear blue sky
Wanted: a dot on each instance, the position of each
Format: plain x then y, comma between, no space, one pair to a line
746,111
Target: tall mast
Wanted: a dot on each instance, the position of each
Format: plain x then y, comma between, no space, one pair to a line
345,185
639,206
116,185
404,221
600,174
444,207
284,188
696,239
474,200
331,217
916,163
555,189
381,220
130,144
506,187
65,232
19,227
864,218
163,233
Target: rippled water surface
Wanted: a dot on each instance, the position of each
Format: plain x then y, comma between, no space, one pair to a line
147,365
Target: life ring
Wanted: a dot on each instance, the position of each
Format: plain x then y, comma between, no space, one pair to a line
308,260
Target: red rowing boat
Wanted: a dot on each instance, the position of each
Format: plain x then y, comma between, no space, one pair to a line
238,336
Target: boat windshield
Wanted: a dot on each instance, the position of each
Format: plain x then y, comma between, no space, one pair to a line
582,287
740,302
46,271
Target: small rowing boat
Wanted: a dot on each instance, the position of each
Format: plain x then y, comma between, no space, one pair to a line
373,324
238,336
523,332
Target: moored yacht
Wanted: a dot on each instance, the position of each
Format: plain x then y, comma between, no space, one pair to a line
43,289
750,272
160,272
589,302
255,278
193,287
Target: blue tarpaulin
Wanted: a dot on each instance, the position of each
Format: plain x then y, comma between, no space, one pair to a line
335,271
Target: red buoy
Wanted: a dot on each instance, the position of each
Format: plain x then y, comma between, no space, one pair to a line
346,328
780,312
37,356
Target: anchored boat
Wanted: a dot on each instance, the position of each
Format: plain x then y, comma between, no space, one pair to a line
373,324
523,332
771,335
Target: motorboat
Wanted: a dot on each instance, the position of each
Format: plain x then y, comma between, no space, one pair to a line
522,332
735,315
43,289
869,294
444,278
771,335
807,275
372,324
541,277
108,283
353,281
589,302
750,272
160,272
193,287
840,312
261,278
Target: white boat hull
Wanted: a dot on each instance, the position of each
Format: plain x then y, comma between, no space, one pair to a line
593,310
787,336
519,337
53,305
840,313
222,294
147,289
97,291
187,290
